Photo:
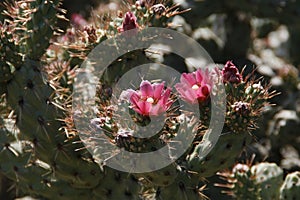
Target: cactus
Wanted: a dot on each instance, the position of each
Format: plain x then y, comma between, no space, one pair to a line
290,186
52,162
261,181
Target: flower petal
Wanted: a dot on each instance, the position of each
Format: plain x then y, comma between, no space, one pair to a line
134,98
188,79
166,96
157,90
146,89
199,76
144,107
156,110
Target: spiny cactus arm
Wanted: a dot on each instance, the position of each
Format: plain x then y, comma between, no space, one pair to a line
263,180
185,187
162,177
223,155
269,177
290,188
10,59
41,19
2,88
35,179
37,119
117,185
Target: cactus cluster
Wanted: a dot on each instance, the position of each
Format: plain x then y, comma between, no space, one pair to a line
260,181
44,155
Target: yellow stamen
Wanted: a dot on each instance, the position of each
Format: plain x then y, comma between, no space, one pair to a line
195,87
150,100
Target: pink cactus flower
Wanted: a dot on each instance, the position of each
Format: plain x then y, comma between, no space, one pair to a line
129,22
150,99
231,74
194,87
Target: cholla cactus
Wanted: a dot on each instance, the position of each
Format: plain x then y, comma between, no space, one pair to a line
261,181
52,162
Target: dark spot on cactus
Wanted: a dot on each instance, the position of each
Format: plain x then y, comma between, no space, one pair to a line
60,194
35,141
21,102
76,174
54,165
41,121
149,178
166,183
207,158
30,187
133,178
153,148
181,186
88,184
59,146
195,191
127,193
36,68
158,192
167,173
244,143
93,172
117,176
228,146
30,84
15,168
6,145
222,162
108,192
17,119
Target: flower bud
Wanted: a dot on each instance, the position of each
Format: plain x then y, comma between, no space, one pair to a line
230,73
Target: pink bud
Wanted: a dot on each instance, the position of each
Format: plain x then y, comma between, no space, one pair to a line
129,22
